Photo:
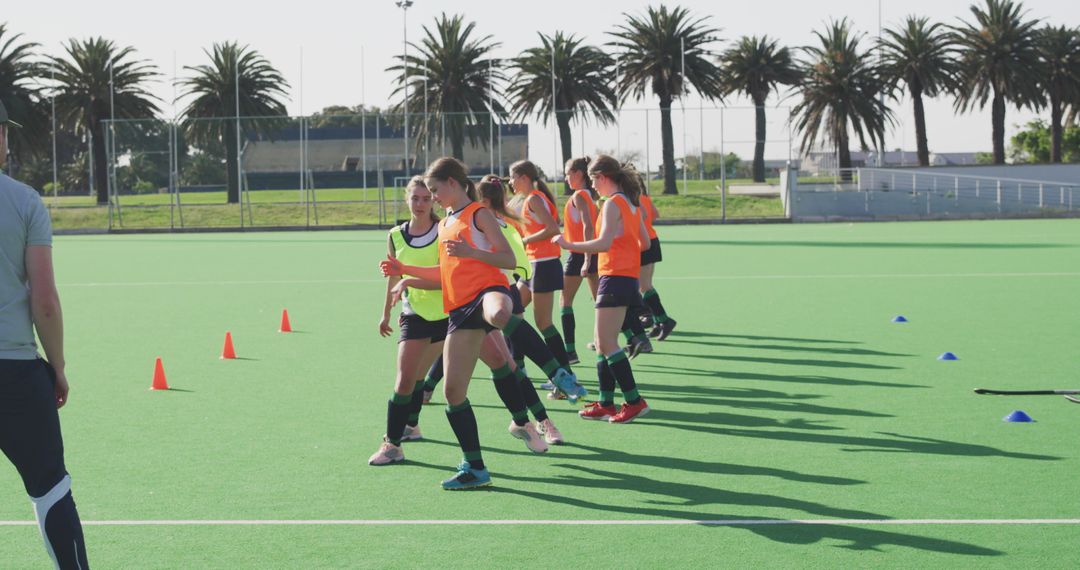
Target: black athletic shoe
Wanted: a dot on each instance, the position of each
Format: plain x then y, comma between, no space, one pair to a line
655,331
573,357
666,328
642,346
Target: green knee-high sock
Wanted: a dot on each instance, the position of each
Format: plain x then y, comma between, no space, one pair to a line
434,375
463,422
416,404
531,397
652,299
620,368
506,385
397,413
569,327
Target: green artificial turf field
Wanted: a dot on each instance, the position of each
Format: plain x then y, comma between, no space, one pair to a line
785,394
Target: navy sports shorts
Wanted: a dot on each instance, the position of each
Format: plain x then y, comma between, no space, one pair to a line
415,327
617,291
653,254
471,315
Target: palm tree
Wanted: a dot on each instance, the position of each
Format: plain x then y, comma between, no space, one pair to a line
1059,77
212,116
920,55
652,51
461,78
841,91
999,62
581,82
756,67
95,77
21,96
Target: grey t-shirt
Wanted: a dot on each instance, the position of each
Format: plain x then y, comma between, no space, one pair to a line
24,221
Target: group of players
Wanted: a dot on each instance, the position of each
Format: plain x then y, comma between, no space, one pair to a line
464,282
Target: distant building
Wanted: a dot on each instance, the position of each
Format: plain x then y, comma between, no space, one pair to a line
825,161
343,156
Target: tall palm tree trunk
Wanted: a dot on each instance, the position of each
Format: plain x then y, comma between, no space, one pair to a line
922,146
566,140
759,140
998,119
101,173
844,148
232,162
667,136
1055,129
457,146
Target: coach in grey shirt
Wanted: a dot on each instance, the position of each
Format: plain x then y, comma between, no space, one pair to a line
32,390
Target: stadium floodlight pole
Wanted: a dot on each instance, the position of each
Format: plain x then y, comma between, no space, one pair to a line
55,169
881,95
239,166
363,120
405,5
554,115
682,106
491,116
110,170
427,124
618,107
300,96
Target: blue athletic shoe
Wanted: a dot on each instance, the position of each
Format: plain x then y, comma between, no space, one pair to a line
467,478
568,384
547,386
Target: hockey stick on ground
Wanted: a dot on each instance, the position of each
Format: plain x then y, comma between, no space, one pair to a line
1027,392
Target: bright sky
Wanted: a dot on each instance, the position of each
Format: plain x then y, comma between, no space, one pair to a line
332,35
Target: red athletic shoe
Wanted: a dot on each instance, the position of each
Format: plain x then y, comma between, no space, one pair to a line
630,412
595,411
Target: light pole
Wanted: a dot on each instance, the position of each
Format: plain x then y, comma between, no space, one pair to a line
405,5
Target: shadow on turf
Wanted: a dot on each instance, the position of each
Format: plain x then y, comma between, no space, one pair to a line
693,497
815,349
696,334
603,455
786,361
797,379
873,244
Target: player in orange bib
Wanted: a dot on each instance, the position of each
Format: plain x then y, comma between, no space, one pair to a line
662,323
472,257
579,224
541,217
621,238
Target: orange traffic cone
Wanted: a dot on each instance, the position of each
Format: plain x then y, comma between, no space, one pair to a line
159,377
227,353
285,325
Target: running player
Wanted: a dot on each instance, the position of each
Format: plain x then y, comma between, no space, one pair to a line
621,238
579,224
540,214
472,254
662,323
423,322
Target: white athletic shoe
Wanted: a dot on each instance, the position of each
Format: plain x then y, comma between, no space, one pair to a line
388,453
412,434
528,434
551,433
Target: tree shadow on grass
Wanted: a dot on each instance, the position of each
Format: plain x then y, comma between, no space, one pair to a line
893,443
797,379
692,497
814,349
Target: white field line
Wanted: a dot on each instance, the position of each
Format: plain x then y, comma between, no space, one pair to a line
660,522
690,278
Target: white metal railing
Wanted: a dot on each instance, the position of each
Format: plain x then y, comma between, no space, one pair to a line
1001,191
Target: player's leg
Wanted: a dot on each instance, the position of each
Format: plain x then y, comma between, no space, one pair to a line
30,437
